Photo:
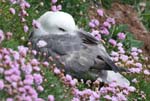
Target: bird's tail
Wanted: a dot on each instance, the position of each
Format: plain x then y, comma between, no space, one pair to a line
120,79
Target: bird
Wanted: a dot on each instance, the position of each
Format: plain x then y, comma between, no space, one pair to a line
84,57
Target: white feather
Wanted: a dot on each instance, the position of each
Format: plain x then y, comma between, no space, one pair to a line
50,22
117,77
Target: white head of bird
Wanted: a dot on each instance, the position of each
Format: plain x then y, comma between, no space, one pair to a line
57,23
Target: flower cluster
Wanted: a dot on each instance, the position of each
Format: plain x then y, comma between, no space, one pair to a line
85,95
116,92
23,4
55,7
22,77
101,29
130,59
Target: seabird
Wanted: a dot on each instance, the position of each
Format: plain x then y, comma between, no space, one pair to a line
83,56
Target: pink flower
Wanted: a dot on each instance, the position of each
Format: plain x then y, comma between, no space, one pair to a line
14,84
135,70
23,19
134,54
121,97
27,69
22,5
34,62
93,23
53,1
113,84
96,34
68,77
73,82
129,62
1,84
115,59
139,65
96,22
39,99
25,28
22,50
1,70
134,80
121,36
124,58
35,24
56,71
21,89
16,55
54,8
9,99
121,50
131,89
119,44
27,5
28,98
139,51
40,88
38,78
51,98
114,98
108,97
110,20
113,53
134,49
100,12
36,68
45,63
15,78
12,11
24,13
136,58
28,81
104,31
103,90
146,72
13,1
59,7
95,95
1,36
125,92
34,52
107,24
113,42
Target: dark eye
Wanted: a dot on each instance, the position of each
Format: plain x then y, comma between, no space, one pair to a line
62,29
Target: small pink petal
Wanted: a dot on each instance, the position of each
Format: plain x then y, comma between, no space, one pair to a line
12,11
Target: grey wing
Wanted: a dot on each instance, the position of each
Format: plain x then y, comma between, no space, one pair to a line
102,55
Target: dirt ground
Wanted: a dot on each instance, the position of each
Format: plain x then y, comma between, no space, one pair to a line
126,14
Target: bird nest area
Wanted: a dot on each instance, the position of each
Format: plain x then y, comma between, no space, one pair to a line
30,71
